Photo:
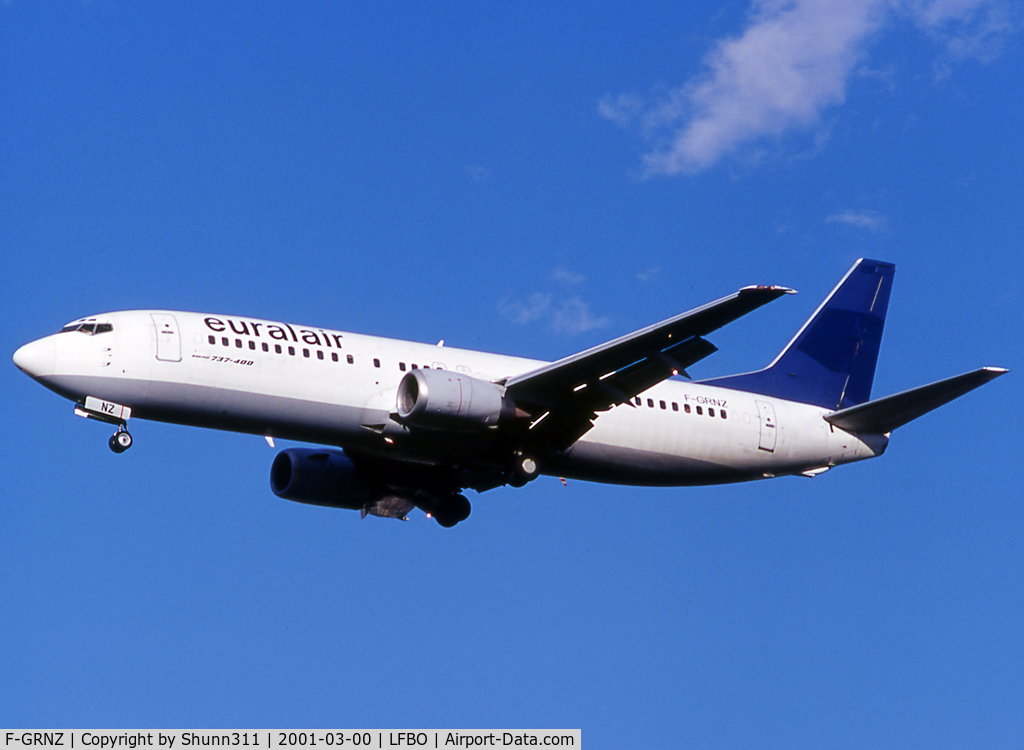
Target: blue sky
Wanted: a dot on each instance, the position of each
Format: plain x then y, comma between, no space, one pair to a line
531,180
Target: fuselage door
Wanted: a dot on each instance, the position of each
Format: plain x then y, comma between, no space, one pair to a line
768,432
168,340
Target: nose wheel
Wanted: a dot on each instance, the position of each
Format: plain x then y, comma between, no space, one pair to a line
120,441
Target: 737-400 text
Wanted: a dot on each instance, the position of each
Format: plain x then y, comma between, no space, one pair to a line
224,359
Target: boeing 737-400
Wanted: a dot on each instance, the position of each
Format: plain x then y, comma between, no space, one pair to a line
418,424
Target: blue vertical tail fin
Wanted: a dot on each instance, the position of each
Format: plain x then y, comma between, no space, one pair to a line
831,360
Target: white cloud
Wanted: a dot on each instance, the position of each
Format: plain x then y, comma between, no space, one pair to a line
966,28
622,109
477,172
573,316
792,61
563,275
868,220
524,312
566,316
784,70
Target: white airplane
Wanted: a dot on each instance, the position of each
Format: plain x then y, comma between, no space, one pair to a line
419,423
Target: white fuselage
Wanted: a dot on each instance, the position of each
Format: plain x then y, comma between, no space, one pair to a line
336,388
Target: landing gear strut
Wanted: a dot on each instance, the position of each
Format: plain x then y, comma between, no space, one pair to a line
120,441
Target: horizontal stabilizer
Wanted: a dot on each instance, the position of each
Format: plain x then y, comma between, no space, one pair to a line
886,414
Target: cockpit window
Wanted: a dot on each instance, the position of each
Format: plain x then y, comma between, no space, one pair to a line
90,327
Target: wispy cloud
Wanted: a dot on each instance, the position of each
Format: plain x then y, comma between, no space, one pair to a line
649,275
790,64
868,220
566,276
525,311
623,109
573,316
477,172
564,315
965,28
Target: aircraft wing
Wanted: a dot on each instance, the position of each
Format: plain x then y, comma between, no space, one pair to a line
565,396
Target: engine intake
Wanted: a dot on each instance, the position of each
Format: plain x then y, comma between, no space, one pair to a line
329,478
320,477
444,400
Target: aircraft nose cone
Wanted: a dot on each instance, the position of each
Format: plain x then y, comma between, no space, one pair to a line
35,359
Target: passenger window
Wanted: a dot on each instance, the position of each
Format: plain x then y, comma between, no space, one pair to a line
662,403
277,348
376,362
711,412
401,366
722,414
252,344
238,343
699,410
265,347
686,408
675,406
413,366
291,350
639,401
334,356
319,354
224,341
212,339
305,353
650,402
348,358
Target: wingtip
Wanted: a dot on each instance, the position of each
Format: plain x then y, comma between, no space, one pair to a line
768,288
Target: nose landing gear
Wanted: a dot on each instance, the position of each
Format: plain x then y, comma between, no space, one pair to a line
120,441
111,413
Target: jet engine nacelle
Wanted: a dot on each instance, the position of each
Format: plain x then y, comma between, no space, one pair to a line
445,400
327,477
320,477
